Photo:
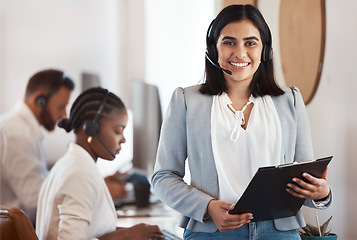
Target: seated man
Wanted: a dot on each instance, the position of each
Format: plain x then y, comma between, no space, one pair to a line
22,156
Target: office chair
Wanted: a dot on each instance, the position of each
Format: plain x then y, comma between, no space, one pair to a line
15,225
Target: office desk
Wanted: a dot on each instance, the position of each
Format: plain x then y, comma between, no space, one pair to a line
156,214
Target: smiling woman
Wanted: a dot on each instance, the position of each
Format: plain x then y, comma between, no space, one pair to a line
239,49
228,127
254,31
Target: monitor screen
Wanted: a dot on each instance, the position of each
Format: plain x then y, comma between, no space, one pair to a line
147,120
90,80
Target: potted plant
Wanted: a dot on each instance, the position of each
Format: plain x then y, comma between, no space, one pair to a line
310,232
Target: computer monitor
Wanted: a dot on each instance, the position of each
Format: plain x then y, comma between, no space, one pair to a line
147,120
90,80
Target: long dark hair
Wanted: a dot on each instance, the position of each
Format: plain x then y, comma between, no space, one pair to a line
86,106
263,82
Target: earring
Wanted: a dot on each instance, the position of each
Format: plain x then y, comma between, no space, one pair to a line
89,139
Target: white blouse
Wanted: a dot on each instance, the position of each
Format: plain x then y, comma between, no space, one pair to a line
74,201
238,153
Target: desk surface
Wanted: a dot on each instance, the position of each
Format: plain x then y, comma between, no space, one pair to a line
156,214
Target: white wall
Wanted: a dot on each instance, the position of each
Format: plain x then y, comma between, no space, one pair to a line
73,36
332,112
176,43
333,116
132,50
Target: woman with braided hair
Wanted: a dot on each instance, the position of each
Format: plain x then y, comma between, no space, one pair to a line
74,201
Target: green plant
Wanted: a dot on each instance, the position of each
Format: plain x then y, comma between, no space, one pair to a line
310,230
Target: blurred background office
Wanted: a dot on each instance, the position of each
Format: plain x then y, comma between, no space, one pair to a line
162,43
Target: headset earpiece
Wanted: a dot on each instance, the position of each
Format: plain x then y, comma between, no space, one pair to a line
41,101
267,53
91,128
211,50
212,53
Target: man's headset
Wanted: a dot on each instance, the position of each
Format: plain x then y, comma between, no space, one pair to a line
91,128
42,100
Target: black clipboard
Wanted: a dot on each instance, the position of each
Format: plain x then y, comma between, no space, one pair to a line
266,196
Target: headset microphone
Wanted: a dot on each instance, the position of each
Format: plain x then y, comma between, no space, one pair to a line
216,65
106,148
91,128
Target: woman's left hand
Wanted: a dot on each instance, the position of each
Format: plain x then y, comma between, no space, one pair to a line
115,185
316,188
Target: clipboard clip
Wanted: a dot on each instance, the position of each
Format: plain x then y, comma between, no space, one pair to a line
293,163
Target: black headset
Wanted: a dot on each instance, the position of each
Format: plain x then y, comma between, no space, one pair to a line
267,53
211,51
91,128
42,100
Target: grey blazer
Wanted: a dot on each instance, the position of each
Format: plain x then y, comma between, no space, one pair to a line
186,135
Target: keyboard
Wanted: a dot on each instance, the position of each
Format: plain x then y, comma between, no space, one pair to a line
129,199
169,235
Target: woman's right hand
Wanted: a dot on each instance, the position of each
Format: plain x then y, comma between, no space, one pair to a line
144,231
218,211
116,185
138,232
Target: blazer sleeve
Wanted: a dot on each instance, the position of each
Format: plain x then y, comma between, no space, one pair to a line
167,180
303,144
303,148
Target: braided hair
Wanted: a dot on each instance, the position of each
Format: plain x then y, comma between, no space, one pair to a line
86,105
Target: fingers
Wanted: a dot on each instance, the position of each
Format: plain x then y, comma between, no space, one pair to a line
218,211
316,188
301,189
234,221
145,231
226,206
295,192
308,186
153,231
